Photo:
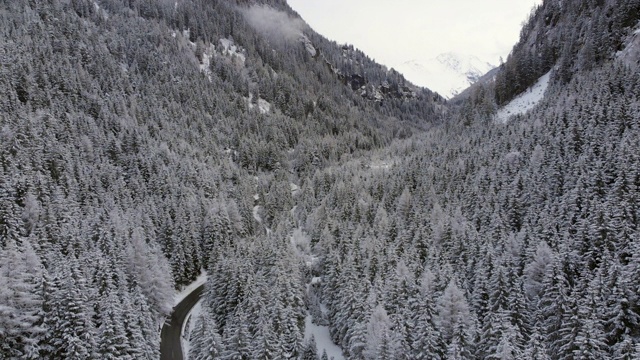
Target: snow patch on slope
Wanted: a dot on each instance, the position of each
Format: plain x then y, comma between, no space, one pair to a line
448,74
101,11
308,45
229,48
186,34
525,101
630,55
263,105
205,65
323,339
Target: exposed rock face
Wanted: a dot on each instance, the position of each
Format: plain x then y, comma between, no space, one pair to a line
630,54
362,85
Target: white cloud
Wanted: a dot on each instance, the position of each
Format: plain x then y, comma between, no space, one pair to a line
274,24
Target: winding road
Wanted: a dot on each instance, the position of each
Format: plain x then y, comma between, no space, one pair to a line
170,346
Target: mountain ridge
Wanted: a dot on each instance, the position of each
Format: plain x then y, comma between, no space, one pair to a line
448,73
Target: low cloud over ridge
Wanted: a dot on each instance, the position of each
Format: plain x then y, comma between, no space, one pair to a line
276,25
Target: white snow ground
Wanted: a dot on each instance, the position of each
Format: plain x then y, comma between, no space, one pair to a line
263,105
183,293
295,189
525,101
189,325
256,213
229,48
323,339
380,165
631,52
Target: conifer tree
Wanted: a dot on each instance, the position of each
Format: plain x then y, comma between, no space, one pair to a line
206,342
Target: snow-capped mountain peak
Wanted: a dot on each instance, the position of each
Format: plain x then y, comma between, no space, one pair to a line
448,73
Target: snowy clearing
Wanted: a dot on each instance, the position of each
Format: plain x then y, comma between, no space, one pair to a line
230,49
185,339
263,105
525,101
256,213
186,34
206,59
323,339
178,297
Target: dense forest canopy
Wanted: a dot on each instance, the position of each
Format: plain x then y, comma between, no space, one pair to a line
143,142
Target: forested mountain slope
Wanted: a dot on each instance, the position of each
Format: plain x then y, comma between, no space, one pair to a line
484,241
572,36
509,242
134,136
567,37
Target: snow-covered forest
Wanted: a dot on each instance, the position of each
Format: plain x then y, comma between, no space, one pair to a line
143,142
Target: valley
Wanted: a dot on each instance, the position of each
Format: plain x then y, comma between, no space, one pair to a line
146,146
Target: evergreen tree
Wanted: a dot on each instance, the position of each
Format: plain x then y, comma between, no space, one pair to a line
206,342
21,327
310,351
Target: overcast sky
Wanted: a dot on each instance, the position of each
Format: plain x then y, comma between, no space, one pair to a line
395,31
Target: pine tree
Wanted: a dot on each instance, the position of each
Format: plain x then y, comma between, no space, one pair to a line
508,347
460,346
71,332
310,351
206,342
378,328
237,339
553,308
535,348
20,293
620,319
453,313
426,341
112,341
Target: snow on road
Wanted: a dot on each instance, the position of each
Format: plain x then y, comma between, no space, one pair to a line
179,296
525,101
189,325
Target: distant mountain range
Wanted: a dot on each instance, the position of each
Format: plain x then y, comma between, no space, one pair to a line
448,73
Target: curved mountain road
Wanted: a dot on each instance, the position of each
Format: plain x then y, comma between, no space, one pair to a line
170,346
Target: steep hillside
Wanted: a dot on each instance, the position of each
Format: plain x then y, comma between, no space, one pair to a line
567,36
562,39
484,240
142,140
